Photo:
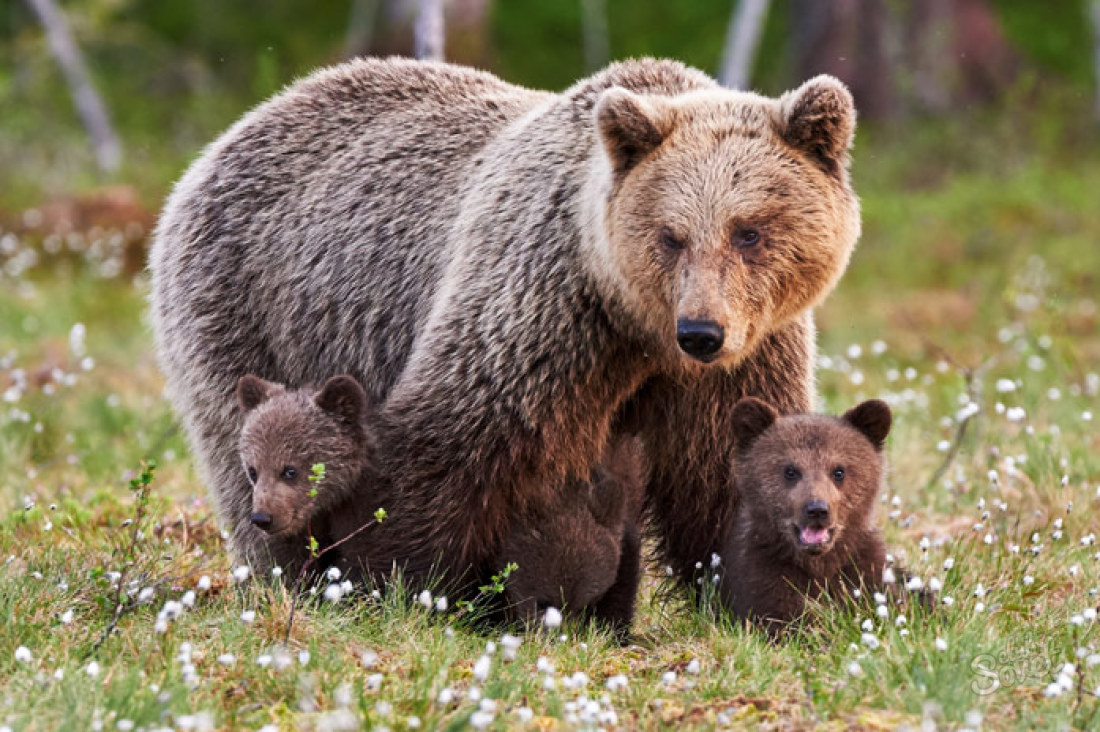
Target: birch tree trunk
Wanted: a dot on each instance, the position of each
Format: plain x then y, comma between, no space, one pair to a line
428,30
105,142
597,46
745,28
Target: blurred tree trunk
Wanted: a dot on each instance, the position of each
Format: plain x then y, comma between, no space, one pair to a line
105,142
742,39
428,30
361,21
924,56
597,46
1096,51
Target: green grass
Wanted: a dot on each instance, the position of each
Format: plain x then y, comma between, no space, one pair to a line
971,261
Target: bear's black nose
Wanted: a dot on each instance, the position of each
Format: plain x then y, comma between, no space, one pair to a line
262,520
817,511
700,339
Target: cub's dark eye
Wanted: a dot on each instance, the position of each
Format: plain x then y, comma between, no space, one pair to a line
290,472
746,238
838,475
669,240
791,473
252,476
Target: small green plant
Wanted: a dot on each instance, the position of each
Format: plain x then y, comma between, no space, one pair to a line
316,477
380,515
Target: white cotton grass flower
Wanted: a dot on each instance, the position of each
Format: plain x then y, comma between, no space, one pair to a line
188,599
248,616
1015,414
693,667
552,617
92,669
510,644
333,593
869,640
617,682
481,719
482,668
276,572
240,574
23,655
425,599
941,644
668,678
854,669
441,604
369,659
204,583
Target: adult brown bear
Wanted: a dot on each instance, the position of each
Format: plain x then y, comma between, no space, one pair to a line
515,275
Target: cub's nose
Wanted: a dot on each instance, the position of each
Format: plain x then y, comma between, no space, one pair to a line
700,339
262,520
817,511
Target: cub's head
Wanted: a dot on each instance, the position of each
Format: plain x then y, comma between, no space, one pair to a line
809,478
285,433
727,214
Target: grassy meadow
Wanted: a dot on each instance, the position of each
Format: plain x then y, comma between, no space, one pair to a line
972,305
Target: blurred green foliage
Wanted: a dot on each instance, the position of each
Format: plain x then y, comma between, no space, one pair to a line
173,74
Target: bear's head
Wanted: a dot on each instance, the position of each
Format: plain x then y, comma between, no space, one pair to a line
807,479
286,432
726,214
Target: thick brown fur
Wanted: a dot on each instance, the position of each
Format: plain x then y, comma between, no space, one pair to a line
495,265
803,475
286,433
583,553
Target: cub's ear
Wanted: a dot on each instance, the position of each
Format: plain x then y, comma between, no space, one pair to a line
343,397
252,391
630,127
750,418
819,118
873,419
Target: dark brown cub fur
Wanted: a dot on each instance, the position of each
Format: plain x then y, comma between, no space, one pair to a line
807,486
582,552
284,434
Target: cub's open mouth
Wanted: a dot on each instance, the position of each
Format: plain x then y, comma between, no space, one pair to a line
814,538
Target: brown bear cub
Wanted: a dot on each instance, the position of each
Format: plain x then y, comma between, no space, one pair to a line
284,434
807,485
582,553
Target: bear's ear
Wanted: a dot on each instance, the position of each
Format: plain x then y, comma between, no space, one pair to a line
819,118
252,391
750,418
873,419
630,127
344,398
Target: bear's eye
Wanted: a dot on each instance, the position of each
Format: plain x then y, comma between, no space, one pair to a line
290,472
838,475
746,238
252,476
669,240
791,473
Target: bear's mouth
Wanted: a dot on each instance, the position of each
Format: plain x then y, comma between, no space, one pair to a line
813,539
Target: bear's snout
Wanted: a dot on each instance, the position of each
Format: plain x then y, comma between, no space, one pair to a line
700,339
262,520
816,512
